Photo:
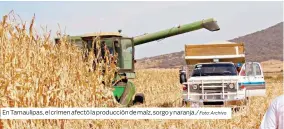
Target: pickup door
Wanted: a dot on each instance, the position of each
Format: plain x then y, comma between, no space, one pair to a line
252,79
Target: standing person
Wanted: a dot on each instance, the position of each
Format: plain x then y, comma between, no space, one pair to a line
274,116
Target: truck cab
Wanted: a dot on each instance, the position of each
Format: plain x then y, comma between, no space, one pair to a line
221,77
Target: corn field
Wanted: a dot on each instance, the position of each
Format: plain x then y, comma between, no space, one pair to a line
34,72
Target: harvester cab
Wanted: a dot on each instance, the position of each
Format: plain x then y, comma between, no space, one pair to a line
123,47
114,44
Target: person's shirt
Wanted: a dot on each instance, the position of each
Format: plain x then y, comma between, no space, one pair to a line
274,116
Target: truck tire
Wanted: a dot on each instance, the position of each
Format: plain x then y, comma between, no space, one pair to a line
184,103
139,98
182,78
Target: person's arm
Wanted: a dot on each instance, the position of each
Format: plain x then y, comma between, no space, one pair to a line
269,120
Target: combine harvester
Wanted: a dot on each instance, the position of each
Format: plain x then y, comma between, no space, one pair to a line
217,74
124,91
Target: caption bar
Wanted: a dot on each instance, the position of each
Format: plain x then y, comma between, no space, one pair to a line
115,113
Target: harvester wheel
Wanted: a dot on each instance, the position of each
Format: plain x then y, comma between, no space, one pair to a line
139,98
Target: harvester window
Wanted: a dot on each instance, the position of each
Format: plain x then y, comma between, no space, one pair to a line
89,44
127,54
79,43
110,50
107,46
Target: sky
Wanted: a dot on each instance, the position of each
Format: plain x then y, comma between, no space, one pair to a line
136,18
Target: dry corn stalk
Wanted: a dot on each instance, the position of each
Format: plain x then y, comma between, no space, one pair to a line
36,73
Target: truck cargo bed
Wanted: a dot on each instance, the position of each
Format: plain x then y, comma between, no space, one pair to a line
224,51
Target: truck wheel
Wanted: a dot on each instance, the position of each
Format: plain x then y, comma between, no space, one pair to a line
184,103
182,78
194,105
138,99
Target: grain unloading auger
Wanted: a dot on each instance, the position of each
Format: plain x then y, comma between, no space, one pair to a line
124,89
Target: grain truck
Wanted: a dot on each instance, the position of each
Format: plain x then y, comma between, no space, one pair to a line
124,89
217,74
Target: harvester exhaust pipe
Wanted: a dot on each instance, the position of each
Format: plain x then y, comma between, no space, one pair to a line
210,25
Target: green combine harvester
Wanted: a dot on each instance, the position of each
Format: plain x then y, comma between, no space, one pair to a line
124,89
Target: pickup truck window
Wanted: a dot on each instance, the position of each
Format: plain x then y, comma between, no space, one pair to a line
251,69
215,69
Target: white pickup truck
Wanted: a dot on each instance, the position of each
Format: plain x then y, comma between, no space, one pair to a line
217,74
